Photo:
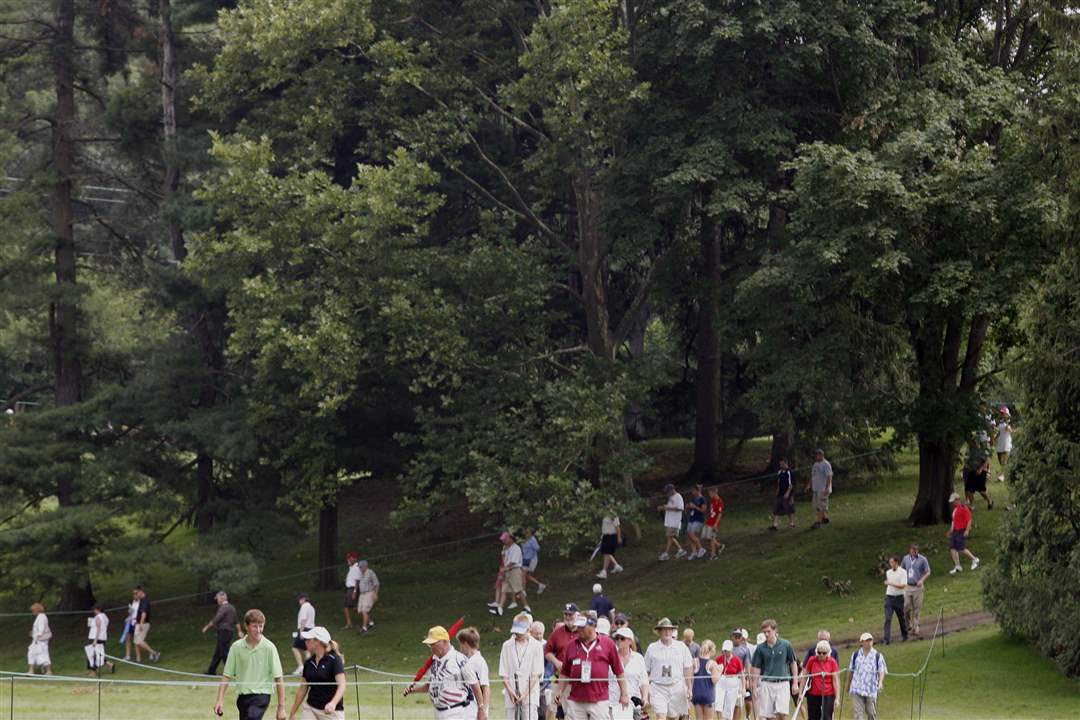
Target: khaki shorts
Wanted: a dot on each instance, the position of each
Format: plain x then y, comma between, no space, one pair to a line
366,602
774,698
309,713
708,533
671,531
575,710
513,581
821,502
141,631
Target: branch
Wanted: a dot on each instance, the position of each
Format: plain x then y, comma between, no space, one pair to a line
18,397
24,508
634,311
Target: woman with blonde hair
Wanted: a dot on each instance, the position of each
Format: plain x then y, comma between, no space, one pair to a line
706,675
321,694
37,655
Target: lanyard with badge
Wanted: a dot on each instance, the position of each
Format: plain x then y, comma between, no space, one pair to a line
586,665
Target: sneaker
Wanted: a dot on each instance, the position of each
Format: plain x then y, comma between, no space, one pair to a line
602,574
371,625
721,549
955,570
616,569
826,521
680,554
773,528
975,564
1001,478
701,552
127,658
540,588
493,608
990,505
298,671
692,556
527,609
512,605
154,656
664,556
362,630
815,526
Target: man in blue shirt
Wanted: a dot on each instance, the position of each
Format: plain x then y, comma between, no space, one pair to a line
530,558
600,603
918,570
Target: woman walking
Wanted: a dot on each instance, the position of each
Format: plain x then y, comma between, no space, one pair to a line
321,693
706,675
635,674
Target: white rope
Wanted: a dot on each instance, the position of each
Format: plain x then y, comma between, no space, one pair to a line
156,668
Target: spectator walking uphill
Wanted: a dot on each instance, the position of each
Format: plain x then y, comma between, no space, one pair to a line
774,667
918,570
367,592
785,497
521,667
958,534
37,655
452,684
695,522
254,664
95,648
895,584
977,469
1003,440
513,577
225,622
730,684
601,605
610,540
321,694
530,558
469,645
305,620
712,523
127,637
823,675
866,678
673,515
821,484
671,674
706,675
352,595
589,664
142,627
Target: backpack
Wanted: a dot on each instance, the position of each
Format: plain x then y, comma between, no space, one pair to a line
877,661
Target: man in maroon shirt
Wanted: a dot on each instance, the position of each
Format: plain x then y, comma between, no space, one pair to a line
561,636
958,534
588,663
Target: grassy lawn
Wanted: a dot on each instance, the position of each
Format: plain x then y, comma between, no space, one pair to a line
760,575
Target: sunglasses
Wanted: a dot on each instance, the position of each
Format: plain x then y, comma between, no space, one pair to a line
823,653
626,639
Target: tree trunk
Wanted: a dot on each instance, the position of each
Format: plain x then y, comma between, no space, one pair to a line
76,592
592,264
169,75
328,547
706,466
937,463
633,422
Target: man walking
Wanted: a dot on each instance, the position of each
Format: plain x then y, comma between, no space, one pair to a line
588,664
37,655
601,605
513,577
918,570
530,559
142,627
821,484
367,591
610,539
352,596
254,663
895,584
712,523
773,667
695,522
671,674
561,636
866,678
452,684
673,516
521,667
226,621
305,620
785,497
958,534
1003,441
976,470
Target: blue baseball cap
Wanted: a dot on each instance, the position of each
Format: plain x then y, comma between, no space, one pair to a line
570,608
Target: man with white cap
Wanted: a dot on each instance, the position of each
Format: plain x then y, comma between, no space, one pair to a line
671,669
521,666
866,678
588,665
452,684
601,605
513,576
731,687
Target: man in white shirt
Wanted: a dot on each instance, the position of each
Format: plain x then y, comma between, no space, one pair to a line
670,667
673,514
895,584
521,666
452,685
821,484
37,655
513,577
610,539
305,620
469,646
351,594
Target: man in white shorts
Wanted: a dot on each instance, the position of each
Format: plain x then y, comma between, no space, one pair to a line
673,515
671,668
37,655
773,667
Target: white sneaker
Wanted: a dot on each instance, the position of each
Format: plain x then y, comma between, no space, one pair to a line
512,605
956,570
664,556
602,574
701,552
1001,478
298,671
975,563
680,554
616,569
692,556
541,588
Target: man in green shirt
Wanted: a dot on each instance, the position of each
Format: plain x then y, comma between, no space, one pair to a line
255,665
773,666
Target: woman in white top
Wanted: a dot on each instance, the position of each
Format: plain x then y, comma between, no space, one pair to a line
37,655
1003,442
635,674
97,635
129,624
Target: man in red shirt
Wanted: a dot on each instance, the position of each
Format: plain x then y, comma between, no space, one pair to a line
561,636
587,664
824,674
958,533
712,523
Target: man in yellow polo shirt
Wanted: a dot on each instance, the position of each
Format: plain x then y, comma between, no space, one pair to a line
255,665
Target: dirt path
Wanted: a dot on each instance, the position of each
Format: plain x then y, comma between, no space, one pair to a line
951,624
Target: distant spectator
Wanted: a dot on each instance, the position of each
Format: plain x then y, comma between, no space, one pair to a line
688,641
821,483
712,523
706,675
305,620
98,633
521,667
352,595
823,673
731,685
127,637
1004,440
530,558
37,655
610,540
785,497
622,621
226,622
866,678
918,570
561,636
469,645
547,701
255,665
671,674
673,516
367,589
774,666
513,577
696,522
601,605
603,627
142,627
895,584
958,534
742,650
825,635
637,677
975,472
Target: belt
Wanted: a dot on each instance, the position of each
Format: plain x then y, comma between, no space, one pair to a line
463,703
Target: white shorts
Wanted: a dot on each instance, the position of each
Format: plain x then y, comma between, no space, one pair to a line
529,711
38,654
669,701
775,697
530,566
727,696
575,710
